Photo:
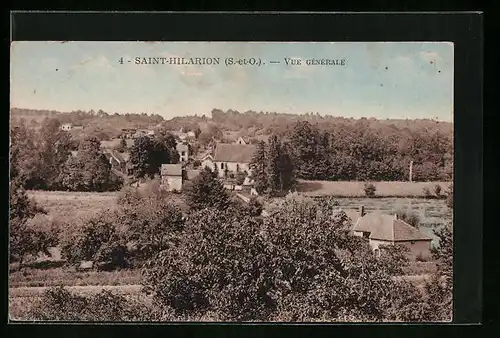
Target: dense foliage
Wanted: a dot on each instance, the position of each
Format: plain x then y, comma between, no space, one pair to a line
272,167
24,238
59,304
206,191
42,160
357,152
298,264
97,238
89,170
149,153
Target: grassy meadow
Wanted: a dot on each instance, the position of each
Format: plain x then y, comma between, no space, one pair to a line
356,189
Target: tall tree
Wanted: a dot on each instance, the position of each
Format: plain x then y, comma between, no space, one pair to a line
287,169
24,160
274,158
90,170
148,154
258,166
304,142
207,191
53,148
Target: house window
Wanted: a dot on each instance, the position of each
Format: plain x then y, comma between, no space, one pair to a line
366,234
222,165
183,153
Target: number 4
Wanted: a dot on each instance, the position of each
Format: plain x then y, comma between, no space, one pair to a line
121,60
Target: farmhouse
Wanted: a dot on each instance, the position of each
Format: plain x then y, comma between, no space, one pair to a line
171,176
384,229
183,151
233,157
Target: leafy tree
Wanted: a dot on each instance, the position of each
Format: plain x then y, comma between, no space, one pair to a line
151,223
255,207
258,166
24,160
287,168
273,167
298,264
304,143
437,190
97,239
53,147
207,191
370,189
21,235
240,177
148,154
89,170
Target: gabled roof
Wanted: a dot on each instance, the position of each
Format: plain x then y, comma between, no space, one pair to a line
207,157
120,158
240,153
388,228
352,214
171,169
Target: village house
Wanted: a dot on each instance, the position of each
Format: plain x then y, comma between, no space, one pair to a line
242,140
383,229
66,126
118,161
128,133
232,158
171,176
208,162
183,151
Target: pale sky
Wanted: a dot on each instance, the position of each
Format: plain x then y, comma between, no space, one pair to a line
381,80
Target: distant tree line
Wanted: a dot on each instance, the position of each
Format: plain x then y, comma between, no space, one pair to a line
42,159
358,153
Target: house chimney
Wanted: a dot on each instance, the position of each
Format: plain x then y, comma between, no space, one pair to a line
361,210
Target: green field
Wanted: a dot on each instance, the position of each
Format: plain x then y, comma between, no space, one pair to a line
356,189
71,204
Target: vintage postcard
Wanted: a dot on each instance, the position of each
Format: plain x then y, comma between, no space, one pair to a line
231,181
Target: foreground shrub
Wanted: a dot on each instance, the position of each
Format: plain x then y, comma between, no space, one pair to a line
409,215
426,192
97,238
298,264
25,238
59,304
369,189
437,190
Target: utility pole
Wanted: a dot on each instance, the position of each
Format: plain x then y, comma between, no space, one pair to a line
411,171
